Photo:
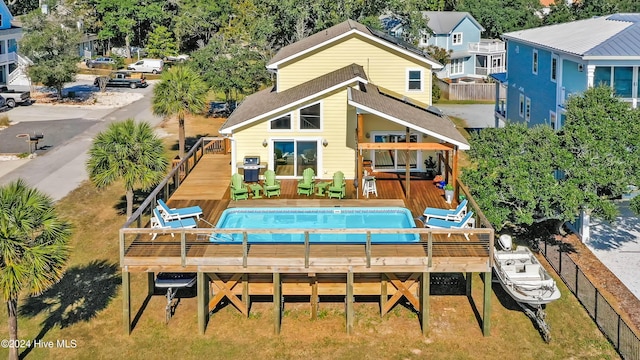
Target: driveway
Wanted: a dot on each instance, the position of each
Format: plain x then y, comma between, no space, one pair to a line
477,116
68,133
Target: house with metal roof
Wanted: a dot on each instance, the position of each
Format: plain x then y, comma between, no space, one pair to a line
458,32
343,97
9,37
546,65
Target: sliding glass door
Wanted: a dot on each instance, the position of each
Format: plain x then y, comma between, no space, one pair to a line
291,157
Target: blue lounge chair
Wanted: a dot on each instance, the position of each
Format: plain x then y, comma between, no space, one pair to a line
169,214
466,222
452,215
157,222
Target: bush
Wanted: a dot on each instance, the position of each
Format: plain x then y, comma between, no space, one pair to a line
435,90
4,120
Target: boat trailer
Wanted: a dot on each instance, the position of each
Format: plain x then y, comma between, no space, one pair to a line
174,282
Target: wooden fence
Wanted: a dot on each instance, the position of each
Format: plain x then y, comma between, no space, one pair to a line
469,91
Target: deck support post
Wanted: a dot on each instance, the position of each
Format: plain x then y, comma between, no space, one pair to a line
425,283
126,301
469,279
360,139
349,302
486,311
245,292
407,169
203,301
277,302
454,174
151,283
383,294
314,297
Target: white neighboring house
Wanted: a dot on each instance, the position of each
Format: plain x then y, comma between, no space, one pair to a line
11,64
471,56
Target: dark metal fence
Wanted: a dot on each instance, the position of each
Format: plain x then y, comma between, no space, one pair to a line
605,316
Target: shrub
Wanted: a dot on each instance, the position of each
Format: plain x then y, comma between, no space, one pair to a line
4,120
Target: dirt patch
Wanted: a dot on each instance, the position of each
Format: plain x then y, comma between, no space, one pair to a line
95,99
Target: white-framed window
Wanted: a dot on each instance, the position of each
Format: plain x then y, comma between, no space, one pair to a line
527,110
414,80
521,106
456,38
554,68
534,65
457,66
311,117
281,123
424,38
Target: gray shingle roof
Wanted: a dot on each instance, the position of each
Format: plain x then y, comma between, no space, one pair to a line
443,22
257,105
616,35
369,96
335,32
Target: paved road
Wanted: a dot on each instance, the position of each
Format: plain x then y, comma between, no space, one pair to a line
62,169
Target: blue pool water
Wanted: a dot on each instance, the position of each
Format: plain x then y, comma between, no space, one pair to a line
316,218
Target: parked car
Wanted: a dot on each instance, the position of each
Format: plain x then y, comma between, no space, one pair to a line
101,61
220,109
177,58
122,78
12,97
154,66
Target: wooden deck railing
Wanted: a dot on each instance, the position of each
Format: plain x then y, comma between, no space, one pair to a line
180,170
136,244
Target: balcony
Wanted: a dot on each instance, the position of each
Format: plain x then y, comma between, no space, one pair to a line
8,58
487,46
489,70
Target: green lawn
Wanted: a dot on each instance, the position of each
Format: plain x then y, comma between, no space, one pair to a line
87,307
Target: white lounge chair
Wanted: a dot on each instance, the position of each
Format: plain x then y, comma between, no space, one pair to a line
466,222
169,214
157,222
452,214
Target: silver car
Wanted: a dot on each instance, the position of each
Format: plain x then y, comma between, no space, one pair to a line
91,63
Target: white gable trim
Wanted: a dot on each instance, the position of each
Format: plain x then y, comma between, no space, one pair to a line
460,145
434,64
271,113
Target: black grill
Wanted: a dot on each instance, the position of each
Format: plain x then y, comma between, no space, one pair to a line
251,165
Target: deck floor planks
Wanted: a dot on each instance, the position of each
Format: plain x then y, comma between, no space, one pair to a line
207,186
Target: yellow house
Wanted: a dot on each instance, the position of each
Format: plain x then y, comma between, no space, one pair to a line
344,96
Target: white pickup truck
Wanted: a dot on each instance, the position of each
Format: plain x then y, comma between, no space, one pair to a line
14,97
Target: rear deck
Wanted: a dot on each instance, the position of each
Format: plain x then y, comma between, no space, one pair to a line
399,270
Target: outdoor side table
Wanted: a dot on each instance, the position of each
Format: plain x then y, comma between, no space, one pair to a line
256,190
321,187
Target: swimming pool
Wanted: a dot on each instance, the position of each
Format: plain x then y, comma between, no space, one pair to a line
316,218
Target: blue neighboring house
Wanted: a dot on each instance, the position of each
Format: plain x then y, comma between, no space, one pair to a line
9,37
548,64
471,56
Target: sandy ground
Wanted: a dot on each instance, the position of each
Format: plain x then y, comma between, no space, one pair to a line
617,246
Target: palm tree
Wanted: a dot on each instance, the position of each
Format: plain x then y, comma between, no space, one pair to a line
129,151
33,247
180,92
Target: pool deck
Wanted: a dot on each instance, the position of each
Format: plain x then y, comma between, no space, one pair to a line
238,271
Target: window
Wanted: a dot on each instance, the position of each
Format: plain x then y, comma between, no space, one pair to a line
535,62
623,81
281,123
554,68
310,117
457,38
602,76
527,111
457,66
425,37
414,80
521,108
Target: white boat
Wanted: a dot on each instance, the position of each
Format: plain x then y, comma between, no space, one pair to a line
523,277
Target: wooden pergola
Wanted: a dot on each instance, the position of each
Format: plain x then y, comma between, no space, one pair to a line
451,155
